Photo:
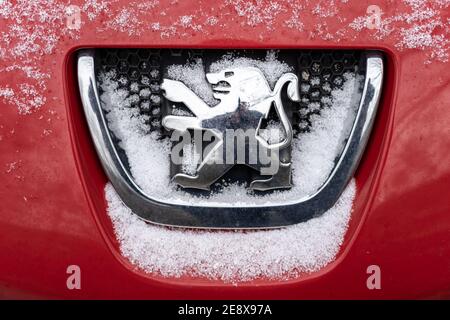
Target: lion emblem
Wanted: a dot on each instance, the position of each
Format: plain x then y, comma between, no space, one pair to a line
245,101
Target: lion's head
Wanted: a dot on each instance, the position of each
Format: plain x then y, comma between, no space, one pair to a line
248,83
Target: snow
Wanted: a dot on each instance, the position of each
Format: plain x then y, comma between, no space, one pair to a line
271,67
193,75
123,20
32,30
27,34
191,159
6,92
257,12
422,27
231,256
294,22
273,133
325,10
93,8
313,153
212,21
186,21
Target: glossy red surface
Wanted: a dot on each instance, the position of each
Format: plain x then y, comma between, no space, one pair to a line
52,211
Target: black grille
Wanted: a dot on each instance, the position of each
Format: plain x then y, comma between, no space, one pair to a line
319,72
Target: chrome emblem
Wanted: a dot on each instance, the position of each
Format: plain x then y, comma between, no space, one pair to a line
245,100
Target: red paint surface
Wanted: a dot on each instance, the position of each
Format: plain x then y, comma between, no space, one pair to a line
52,211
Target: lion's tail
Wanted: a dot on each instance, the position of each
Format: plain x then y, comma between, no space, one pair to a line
293,88
294,95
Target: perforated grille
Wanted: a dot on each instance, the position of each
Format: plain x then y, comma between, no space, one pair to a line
140,72
321,72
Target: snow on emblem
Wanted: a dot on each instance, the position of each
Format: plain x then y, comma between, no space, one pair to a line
246,100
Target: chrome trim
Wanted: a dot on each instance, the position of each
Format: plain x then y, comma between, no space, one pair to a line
247,108
226,217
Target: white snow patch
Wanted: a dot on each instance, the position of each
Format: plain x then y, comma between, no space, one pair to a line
231,256
193,75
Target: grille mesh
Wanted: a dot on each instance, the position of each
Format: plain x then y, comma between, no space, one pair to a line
140,71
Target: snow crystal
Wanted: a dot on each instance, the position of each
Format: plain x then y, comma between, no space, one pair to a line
93,8
10,167
257,12
315,81
181,112
134,87
145,93
155,26
304,87
123,20
212,21
294,22
6,93
231,256
186,21
30,30
330,9
26,99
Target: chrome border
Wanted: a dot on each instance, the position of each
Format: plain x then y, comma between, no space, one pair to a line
229,217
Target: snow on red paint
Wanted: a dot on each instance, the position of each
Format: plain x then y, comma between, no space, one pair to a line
33,29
